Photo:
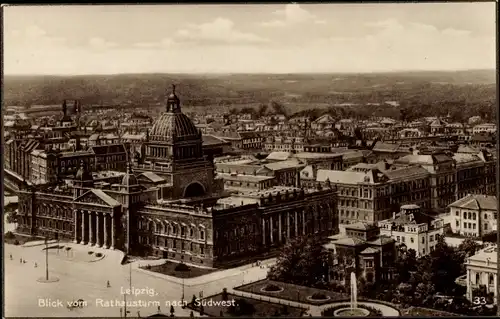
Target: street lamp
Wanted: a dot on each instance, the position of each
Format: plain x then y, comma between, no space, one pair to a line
46,259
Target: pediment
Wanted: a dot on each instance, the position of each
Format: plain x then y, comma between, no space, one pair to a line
97,197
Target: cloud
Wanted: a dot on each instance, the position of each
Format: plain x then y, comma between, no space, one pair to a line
415,46
32,36
293,14
164,43
97,43
455,32
219,31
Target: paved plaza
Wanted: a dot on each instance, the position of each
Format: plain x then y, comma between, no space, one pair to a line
25,296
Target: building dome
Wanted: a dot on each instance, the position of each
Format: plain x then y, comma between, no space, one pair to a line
173,124
129,179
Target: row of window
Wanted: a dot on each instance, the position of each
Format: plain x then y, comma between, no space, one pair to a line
171,229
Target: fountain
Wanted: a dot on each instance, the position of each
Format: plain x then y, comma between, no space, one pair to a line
353,310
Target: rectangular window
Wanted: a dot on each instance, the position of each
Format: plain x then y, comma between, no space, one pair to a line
202,235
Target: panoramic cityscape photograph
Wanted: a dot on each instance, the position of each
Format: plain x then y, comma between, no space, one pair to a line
250,160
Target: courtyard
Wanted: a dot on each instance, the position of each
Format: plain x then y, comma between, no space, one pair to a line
87,281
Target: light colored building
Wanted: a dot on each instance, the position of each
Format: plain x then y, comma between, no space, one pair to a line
413,228
482,271
484,128
474,215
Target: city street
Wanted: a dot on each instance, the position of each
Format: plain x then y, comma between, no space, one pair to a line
25,296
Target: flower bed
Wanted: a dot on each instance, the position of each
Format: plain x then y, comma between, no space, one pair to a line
272,288
372,311
293,292
172,269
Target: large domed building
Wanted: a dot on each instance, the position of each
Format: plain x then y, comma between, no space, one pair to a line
174,152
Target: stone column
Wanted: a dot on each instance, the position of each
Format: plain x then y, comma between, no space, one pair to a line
303,222
263,231
469,288
75,217
296,224
98,229
271,228
280,216
91,229
84,221
106,237
113,232
288,225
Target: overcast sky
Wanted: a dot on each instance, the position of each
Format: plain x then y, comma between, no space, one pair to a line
248,38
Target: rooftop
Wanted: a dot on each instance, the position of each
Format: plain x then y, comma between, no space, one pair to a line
476,202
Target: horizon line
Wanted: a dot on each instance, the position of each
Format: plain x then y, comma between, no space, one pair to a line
249,73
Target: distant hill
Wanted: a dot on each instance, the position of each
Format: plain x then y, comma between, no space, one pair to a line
296,90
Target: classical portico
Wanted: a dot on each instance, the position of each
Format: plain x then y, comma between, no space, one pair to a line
95,228
279,227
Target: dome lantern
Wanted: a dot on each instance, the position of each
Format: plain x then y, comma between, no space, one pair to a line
173,102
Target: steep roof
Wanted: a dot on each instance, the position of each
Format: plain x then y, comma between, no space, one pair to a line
370,250
407,172
349,241
381,240
477,202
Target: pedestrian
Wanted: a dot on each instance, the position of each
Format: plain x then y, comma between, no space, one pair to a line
20,260
159,310
109,285
10,256
36,265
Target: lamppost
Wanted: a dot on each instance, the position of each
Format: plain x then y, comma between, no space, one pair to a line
46,259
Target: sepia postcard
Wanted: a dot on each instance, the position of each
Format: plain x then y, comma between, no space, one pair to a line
250,160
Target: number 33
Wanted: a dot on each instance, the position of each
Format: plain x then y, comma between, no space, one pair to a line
479,301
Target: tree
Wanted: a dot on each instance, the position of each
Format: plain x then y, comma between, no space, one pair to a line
469,246
405,264
12,217
303,261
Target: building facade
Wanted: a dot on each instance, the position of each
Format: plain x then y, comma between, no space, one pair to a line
413,228
171,204
473,215
482,272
